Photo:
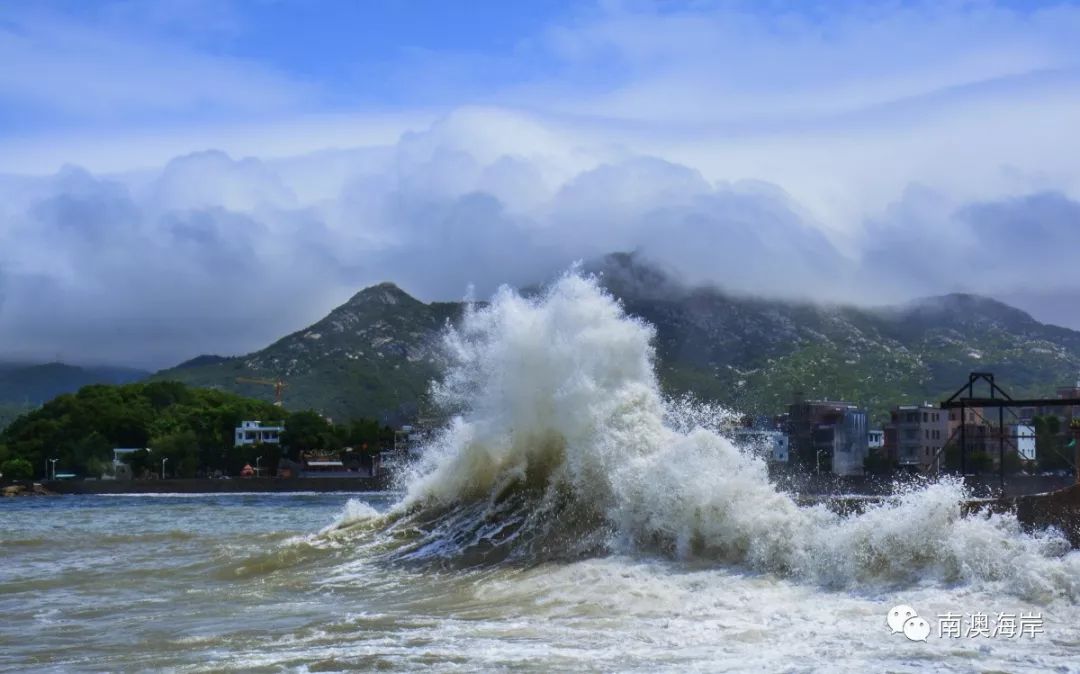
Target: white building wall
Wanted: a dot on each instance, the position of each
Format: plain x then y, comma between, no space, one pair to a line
254,433
1025,442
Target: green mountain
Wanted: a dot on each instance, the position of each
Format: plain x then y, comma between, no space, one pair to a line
35,384
756,354
26,386
10,412
371,357
374,355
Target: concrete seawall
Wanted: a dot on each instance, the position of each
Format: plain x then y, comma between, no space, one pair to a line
208,486
1059,509
979,485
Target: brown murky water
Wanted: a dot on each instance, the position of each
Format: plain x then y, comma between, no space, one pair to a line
246,583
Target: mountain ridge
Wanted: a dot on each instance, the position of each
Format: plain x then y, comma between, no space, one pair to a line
24,386
37,383
375,354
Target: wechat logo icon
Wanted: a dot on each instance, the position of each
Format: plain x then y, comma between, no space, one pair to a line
904,619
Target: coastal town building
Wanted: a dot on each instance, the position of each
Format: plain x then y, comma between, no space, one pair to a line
977,431
875,439
828,436
254,433
1070,412
329,464
920,432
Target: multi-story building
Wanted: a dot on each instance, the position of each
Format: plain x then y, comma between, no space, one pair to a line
828,436
920,433
978,433
254,433
1070,412
889,446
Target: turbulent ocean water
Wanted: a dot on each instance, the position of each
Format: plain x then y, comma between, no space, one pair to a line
569,518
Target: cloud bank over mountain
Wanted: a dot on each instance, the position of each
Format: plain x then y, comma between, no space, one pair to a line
853,153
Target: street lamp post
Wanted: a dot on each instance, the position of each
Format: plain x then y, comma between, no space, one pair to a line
258,471
163,467
53,462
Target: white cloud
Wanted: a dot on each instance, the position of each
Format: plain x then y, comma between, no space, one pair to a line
286,138
853,153
211,253
217,254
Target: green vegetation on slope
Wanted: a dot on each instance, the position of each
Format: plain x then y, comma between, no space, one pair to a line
372,357
10,412
81,429
375,355
26,386
192,428
756,355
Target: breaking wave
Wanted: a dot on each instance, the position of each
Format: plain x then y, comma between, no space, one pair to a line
562,446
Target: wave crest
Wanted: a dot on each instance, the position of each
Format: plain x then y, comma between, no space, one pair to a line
562,445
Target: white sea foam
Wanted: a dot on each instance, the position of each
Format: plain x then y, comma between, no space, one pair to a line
558,394
354,512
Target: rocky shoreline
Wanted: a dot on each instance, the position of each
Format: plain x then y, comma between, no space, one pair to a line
24,489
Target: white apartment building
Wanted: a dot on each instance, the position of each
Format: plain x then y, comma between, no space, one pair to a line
254,433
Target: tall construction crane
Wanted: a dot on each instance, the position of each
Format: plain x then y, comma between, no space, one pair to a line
278,384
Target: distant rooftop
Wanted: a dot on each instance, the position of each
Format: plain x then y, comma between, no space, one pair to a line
921,406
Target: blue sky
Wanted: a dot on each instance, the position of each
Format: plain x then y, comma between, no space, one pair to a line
174,66
329,145
309,56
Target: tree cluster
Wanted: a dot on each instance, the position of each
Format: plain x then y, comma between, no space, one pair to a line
193,429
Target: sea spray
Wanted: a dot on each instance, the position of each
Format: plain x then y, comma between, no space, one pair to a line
562,445
559,389
355,512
